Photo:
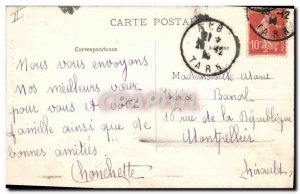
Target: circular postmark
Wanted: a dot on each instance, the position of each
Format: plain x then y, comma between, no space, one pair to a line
209,47
274,24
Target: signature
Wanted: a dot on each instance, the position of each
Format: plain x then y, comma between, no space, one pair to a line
126,171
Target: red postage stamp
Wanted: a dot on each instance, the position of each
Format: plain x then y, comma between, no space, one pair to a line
269,28
260,46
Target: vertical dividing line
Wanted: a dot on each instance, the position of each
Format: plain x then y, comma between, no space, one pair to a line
155,95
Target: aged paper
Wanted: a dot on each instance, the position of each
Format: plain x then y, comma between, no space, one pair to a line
150,97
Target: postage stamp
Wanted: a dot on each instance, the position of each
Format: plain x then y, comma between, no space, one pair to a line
209,47
269,28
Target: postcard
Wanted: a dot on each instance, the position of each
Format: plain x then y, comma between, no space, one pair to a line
150,97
